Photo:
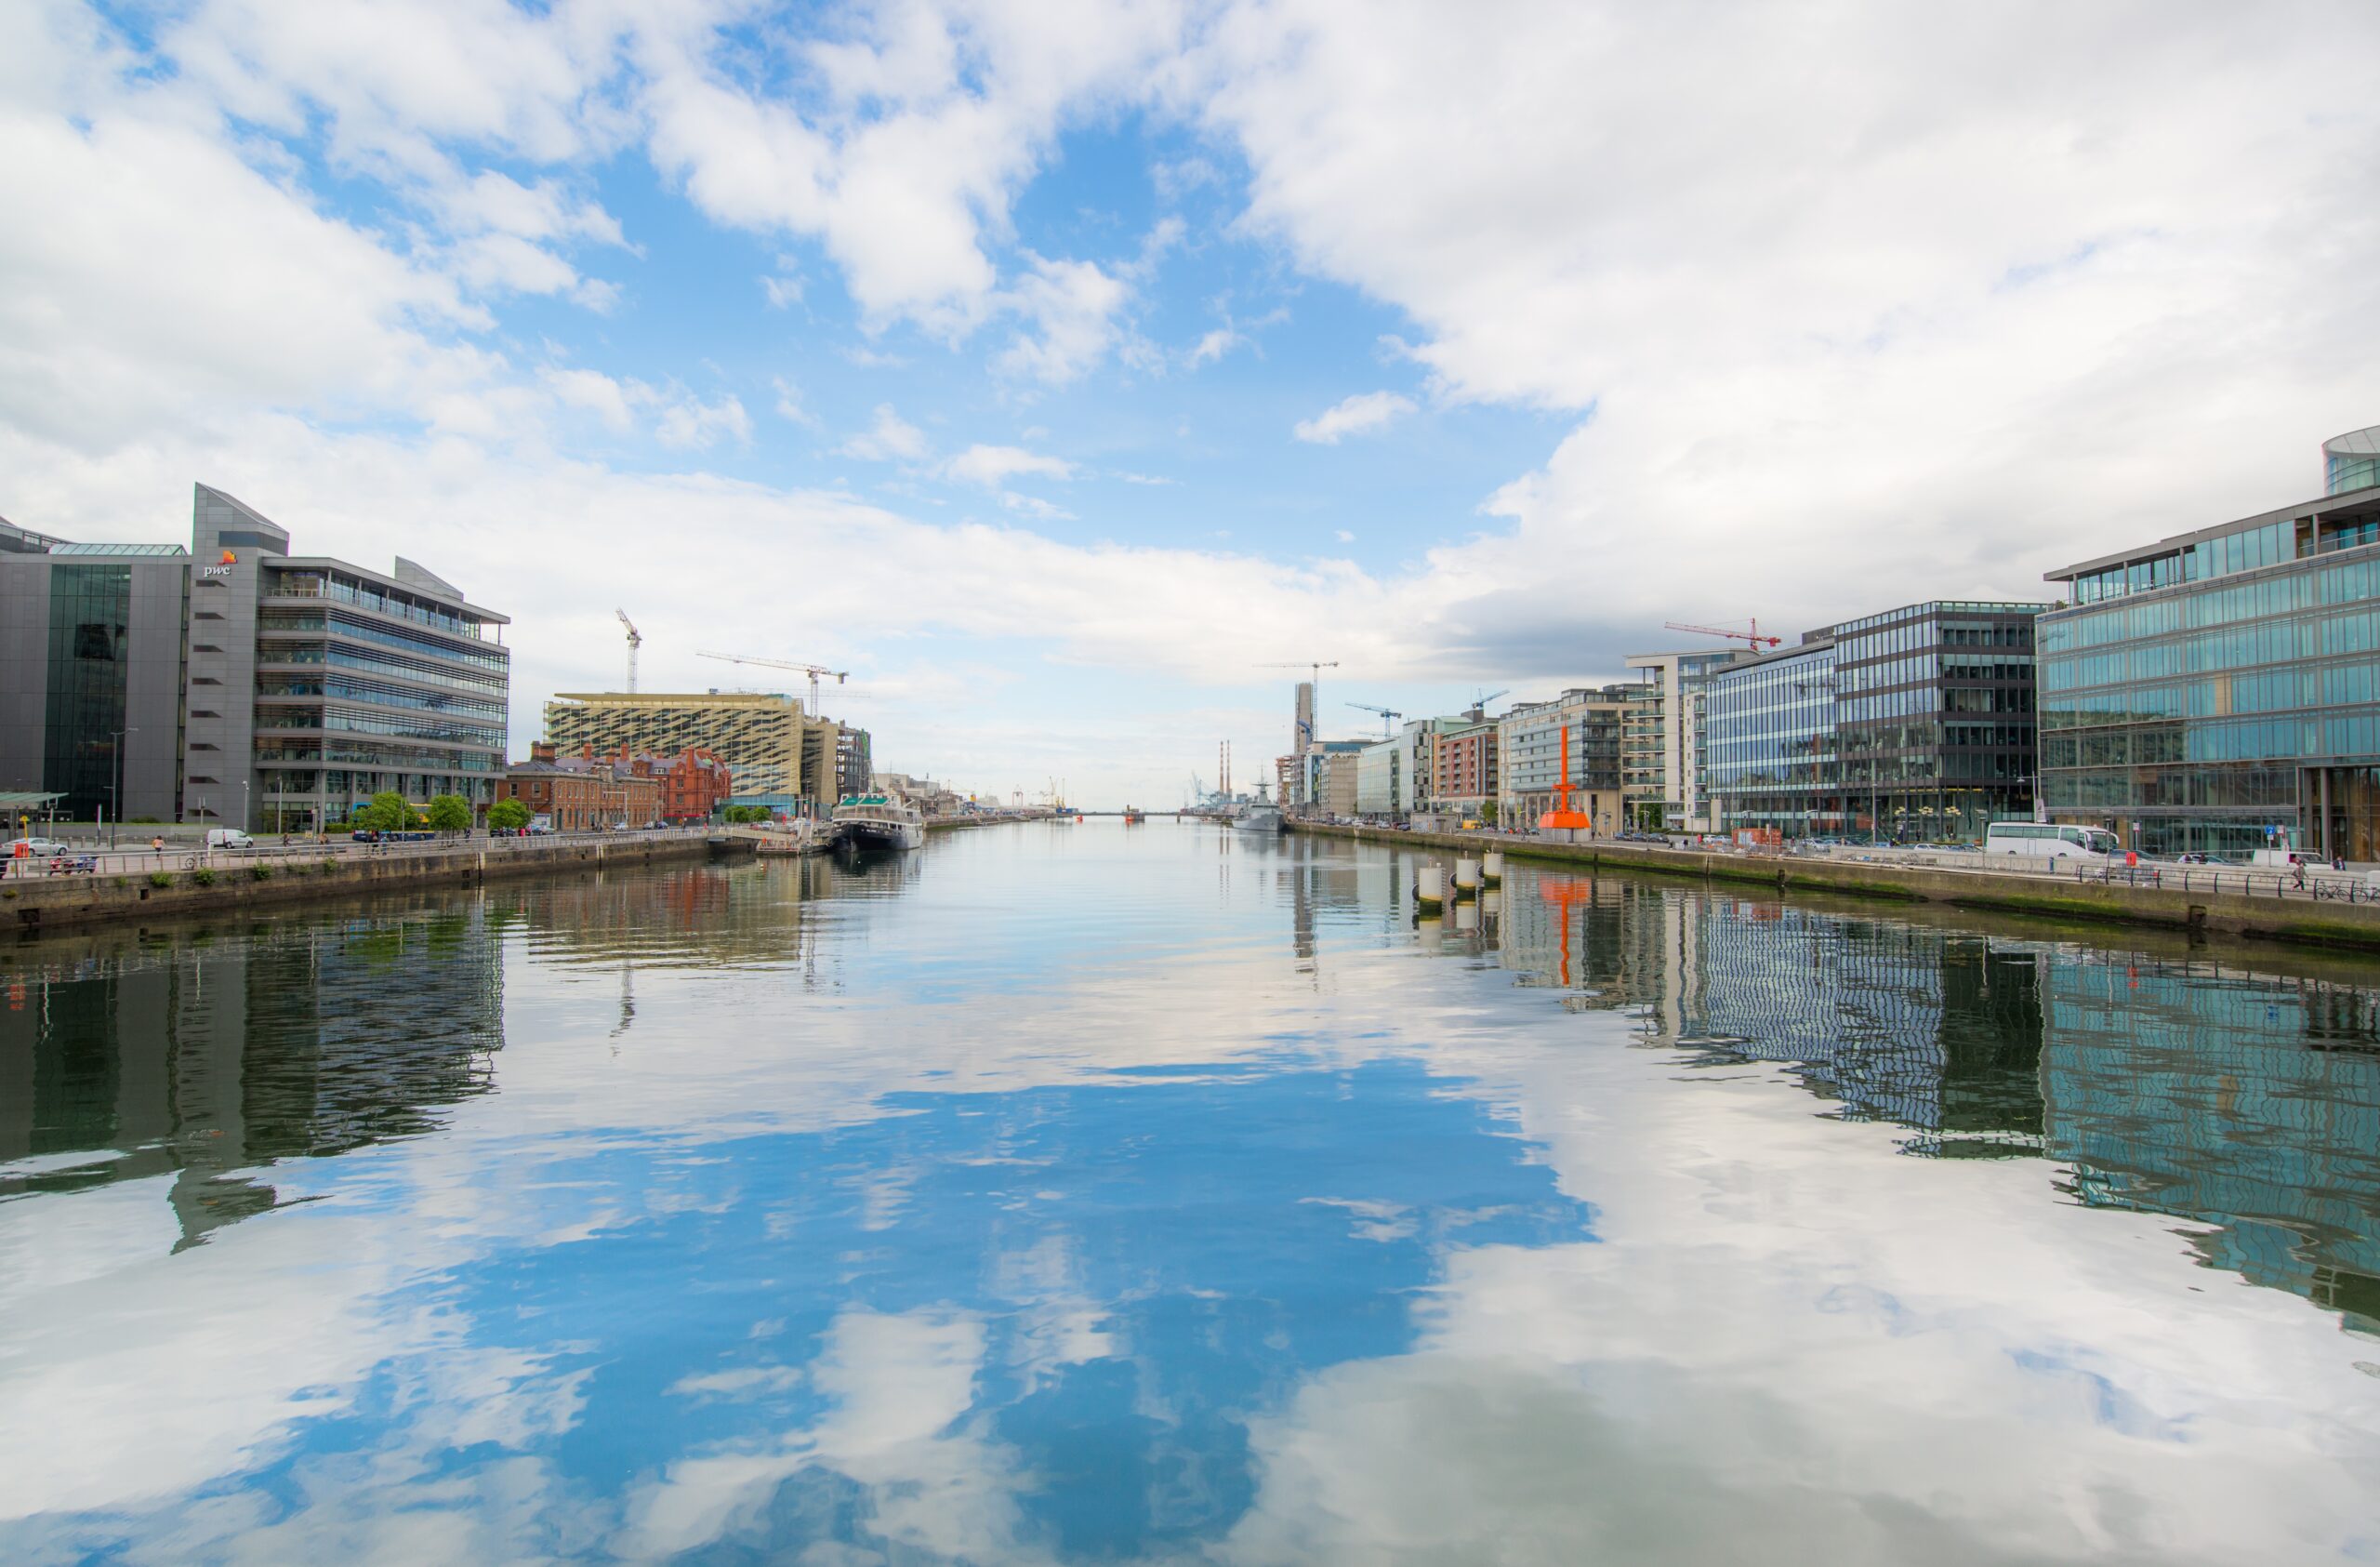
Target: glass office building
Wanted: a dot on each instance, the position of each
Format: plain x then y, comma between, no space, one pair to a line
2351,461
90,673
1915,724
2217,690
1770,727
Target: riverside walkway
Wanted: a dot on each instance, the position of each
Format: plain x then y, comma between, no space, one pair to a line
2330,909
127,883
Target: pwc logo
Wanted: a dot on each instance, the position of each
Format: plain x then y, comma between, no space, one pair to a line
224,568
230,559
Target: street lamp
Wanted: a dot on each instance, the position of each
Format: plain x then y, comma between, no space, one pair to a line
116,778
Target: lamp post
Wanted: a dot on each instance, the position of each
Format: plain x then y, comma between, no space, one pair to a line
116,778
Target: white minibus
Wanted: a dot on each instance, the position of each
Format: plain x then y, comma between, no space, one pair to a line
2042,840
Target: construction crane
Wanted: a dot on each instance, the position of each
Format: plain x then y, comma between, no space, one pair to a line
1385,715
1751,637
1314,668
813,671
1479,704
636,640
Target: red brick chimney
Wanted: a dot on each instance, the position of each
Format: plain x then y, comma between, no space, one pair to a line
541,750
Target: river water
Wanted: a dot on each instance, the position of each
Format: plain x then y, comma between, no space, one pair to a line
1094,1194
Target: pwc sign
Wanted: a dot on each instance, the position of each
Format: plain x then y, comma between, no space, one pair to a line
222,568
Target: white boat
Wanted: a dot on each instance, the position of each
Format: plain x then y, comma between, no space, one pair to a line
880,822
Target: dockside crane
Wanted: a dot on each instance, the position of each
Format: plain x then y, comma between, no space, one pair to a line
636,640
1751,637
813,671
1386,716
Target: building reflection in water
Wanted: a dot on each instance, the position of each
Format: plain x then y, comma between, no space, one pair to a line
2179,1086
213,1058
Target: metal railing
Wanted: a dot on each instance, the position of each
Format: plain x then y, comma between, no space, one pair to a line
178,858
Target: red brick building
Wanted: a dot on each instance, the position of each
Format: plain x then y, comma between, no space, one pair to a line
1463,767
585,793
694,783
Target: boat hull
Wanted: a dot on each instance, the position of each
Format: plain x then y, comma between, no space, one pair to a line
883,834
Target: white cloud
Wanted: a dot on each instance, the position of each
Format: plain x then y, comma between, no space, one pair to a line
789,402
890,438
1345,536
1072,307
1950,322
993,466
1214,345
1033,506
691,423
594,391
1359,414
781,292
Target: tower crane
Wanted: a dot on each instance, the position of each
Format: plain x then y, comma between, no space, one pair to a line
1751,637
1479,704
1385,715
636,640
813,671
1314,668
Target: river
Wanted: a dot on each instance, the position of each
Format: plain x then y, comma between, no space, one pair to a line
1123,1194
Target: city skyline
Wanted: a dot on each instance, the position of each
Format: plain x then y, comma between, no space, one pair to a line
1054,369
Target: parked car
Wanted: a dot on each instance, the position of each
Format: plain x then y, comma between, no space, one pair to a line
37,848
229,837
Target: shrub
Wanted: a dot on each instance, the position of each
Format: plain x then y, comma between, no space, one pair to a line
260,872
329,866
123,881
8,893
202,876
160,877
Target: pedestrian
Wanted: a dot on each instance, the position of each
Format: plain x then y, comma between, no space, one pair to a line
157,845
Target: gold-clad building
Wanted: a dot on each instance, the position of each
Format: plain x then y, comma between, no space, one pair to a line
775,751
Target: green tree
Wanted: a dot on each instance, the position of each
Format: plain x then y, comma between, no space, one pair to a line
450,812
1488,813
507,815
389,812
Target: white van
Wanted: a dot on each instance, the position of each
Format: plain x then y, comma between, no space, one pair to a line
2042,840
229,837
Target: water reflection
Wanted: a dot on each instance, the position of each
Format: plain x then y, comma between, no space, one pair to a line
228,1056
1073,1194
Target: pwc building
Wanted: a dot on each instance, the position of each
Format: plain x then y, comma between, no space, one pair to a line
237,684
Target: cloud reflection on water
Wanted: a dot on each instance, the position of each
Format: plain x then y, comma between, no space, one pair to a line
1192,1212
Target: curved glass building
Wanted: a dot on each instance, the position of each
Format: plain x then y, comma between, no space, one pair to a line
2351,461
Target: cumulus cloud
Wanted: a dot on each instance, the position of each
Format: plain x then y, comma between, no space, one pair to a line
891,438
993,466
1359,414
690,423
1072,307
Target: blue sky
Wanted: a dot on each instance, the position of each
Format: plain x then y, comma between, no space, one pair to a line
1055,366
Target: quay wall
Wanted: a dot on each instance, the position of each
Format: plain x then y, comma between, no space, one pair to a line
2324,924
32,905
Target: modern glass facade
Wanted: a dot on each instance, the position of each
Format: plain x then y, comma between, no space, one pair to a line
1915,724
90,635
1771,735
364,687
2351,461
1934,721
2218,686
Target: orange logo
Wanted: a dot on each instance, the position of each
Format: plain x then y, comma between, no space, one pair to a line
230,559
